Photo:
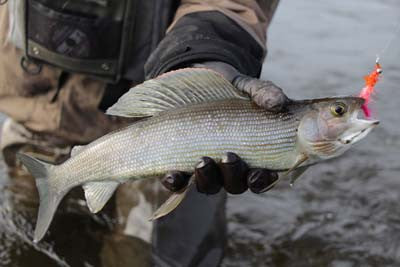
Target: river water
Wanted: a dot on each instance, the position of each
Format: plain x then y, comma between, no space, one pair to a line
341,213
344,212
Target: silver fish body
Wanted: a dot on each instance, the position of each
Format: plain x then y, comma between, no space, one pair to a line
176,140
194,114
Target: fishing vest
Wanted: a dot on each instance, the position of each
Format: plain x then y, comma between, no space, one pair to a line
107,39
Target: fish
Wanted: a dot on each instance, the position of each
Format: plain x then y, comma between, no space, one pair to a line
188,114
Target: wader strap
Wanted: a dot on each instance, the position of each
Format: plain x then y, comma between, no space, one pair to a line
92,66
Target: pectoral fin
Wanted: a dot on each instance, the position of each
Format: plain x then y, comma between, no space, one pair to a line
295,174
98,193
172,202
302,158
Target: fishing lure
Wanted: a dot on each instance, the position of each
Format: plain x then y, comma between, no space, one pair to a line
368,90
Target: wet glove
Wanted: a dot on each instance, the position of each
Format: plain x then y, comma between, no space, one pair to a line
232,172
264,93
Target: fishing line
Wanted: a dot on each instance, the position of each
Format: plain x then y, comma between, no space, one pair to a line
389,42
371,79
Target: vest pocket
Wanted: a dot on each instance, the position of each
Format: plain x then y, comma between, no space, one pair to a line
79,36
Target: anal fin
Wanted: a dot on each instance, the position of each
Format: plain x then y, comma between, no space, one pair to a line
98,193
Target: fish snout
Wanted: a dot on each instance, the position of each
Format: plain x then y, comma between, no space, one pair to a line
360,129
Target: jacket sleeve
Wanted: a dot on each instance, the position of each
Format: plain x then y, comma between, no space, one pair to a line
231,31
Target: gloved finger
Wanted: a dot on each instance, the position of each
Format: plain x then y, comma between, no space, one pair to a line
259,180
208,176
234,173
270,96
264,93
175,181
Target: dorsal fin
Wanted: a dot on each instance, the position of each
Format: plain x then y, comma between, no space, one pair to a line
172,90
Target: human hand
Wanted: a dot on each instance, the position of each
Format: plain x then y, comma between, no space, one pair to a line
231,173
264,93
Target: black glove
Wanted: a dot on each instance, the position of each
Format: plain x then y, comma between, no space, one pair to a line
232,173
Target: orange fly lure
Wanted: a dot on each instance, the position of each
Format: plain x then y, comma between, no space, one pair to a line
368,90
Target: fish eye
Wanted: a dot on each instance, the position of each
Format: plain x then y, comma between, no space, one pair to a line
338,109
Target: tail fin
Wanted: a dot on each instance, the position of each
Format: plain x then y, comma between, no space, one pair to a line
49,196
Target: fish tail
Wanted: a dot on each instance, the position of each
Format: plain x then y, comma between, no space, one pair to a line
49,196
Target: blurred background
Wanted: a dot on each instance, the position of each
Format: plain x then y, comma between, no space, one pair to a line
343,212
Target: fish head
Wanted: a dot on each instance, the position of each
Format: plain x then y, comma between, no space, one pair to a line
330,126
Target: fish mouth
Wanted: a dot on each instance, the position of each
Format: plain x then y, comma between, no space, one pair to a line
358,131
